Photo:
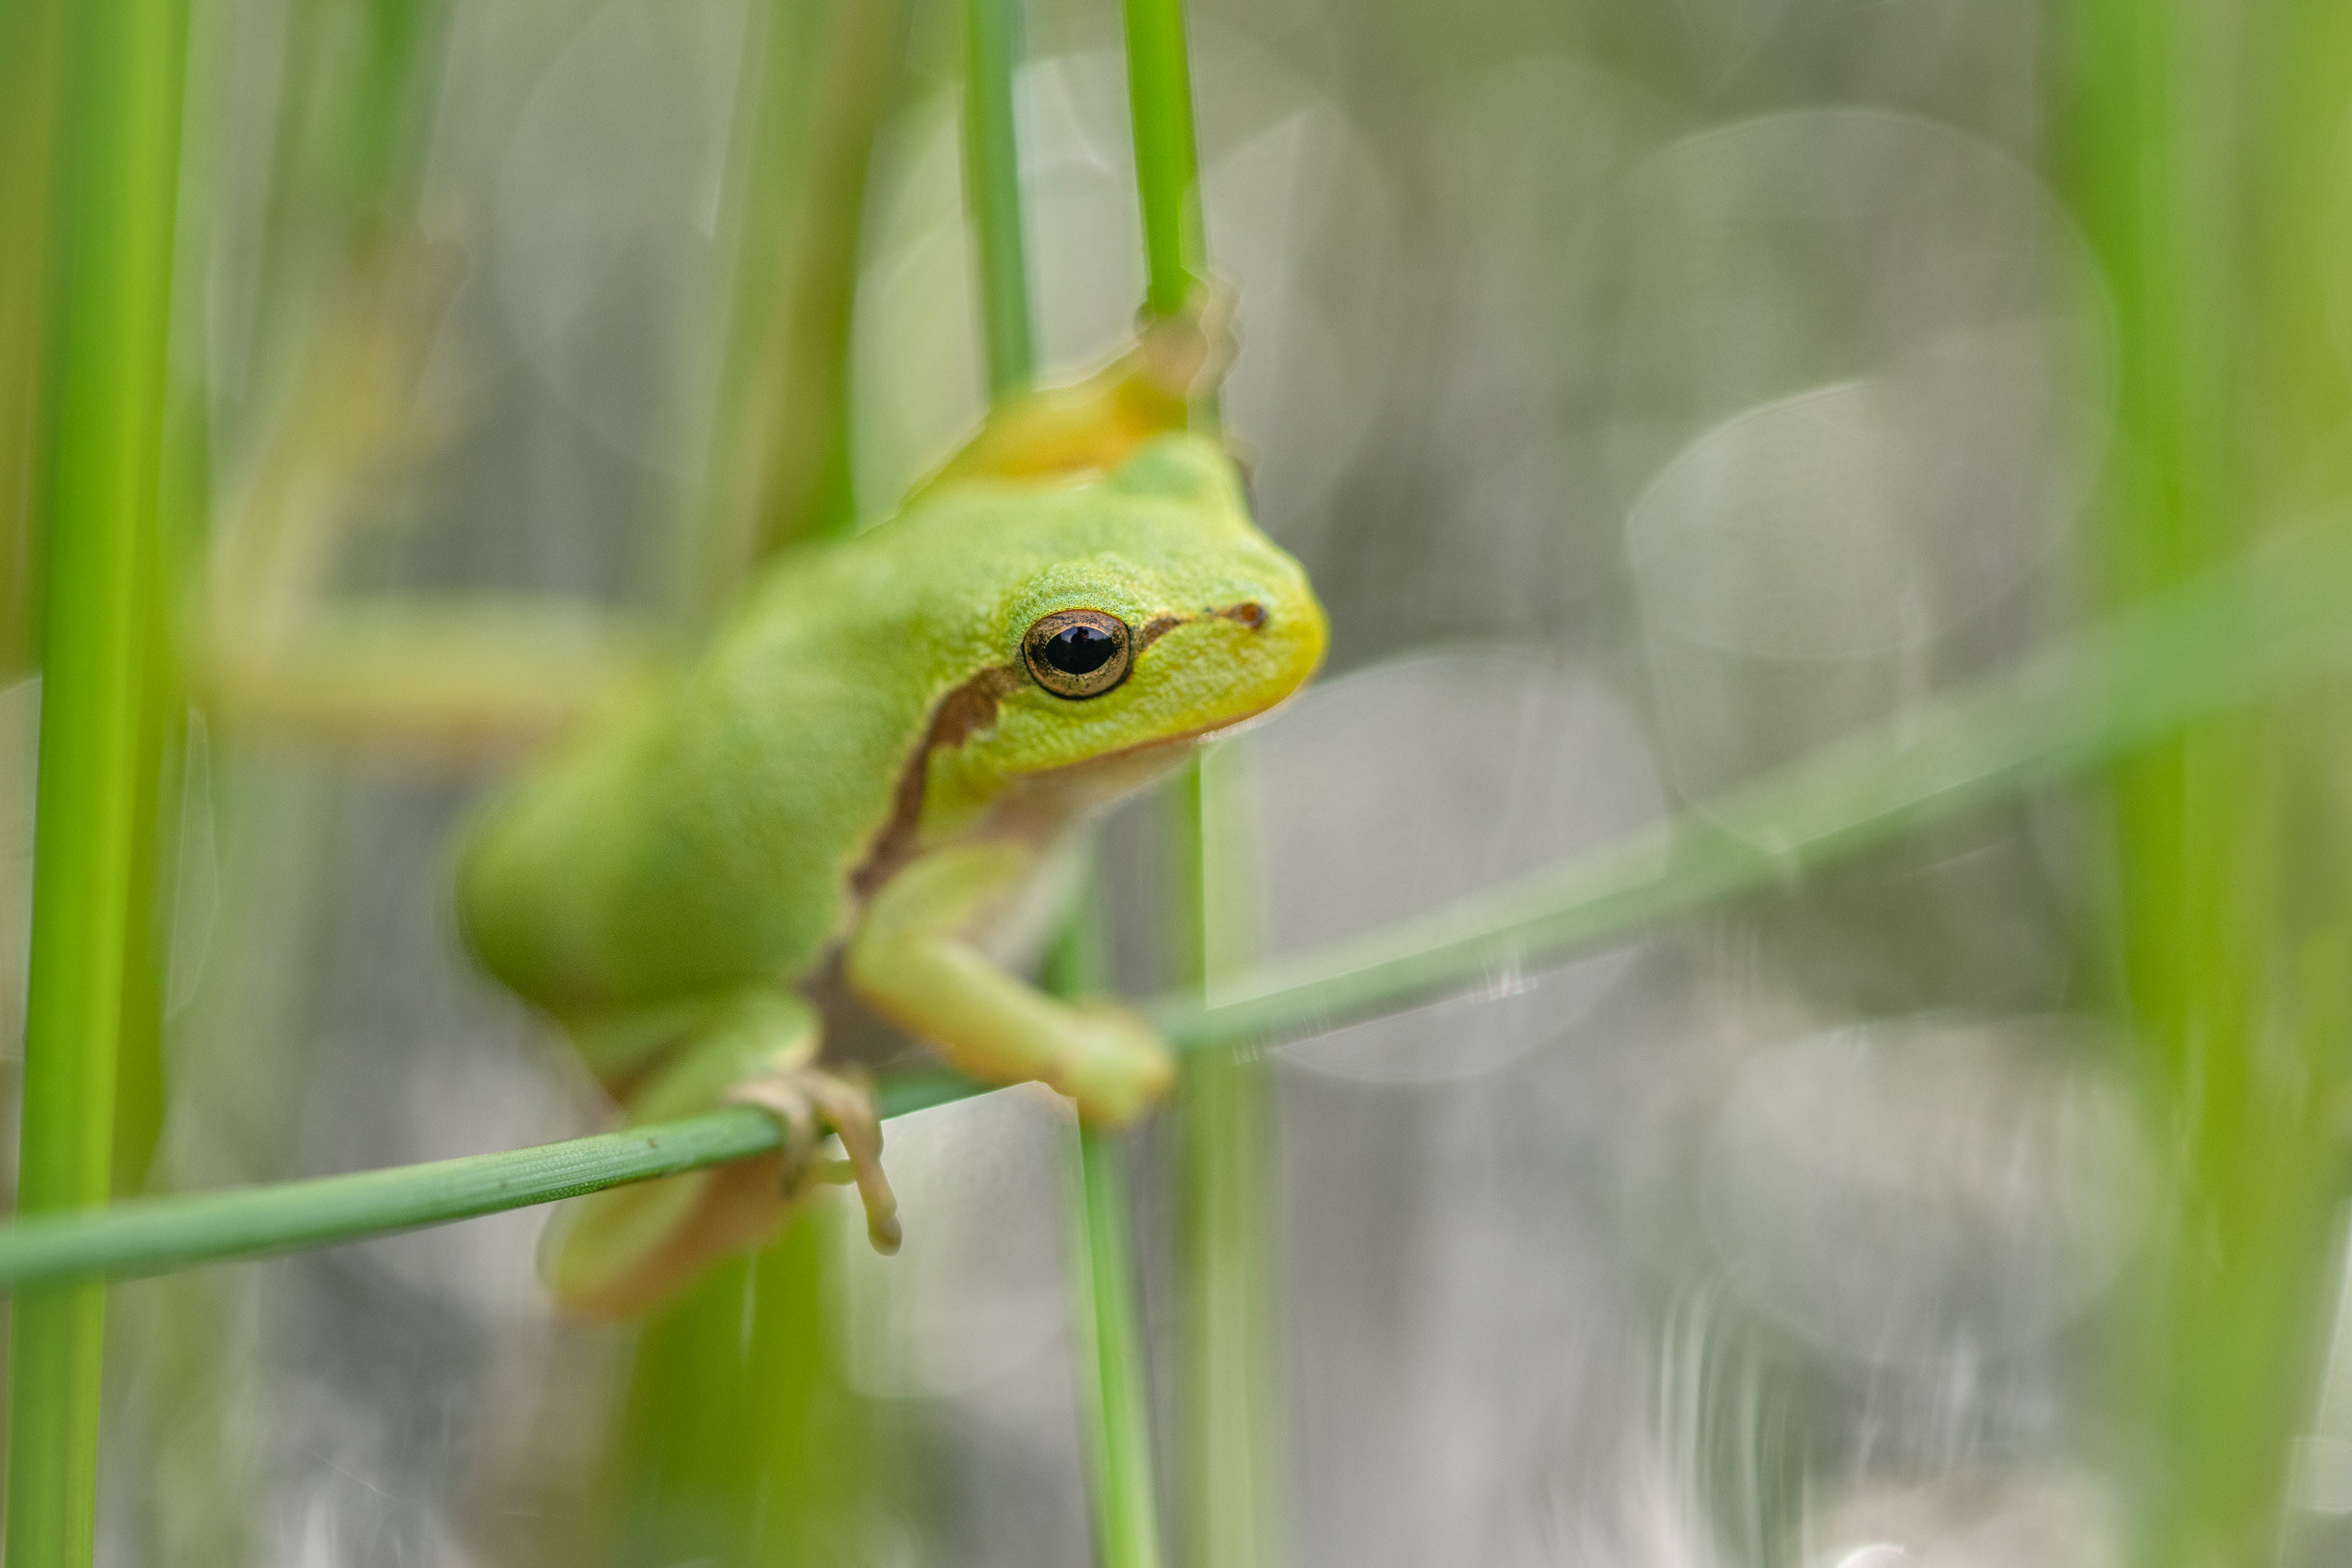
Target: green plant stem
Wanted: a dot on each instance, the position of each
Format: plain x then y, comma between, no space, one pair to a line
2238,636
122,139
2206,143
1167,158
139,1089
1119,1404
29,54
992,179
156,1235
1233,1448
1233,1466
819,79
740,1442
1114,1384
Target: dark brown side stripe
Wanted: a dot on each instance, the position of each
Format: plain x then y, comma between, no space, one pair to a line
961,714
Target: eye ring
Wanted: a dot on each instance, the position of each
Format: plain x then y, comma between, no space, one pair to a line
1077,653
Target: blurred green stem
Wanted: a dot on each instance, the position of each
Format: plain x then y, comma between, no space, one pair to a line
139,1092
183,512
741,1444
2185,177
359,91
30,45
818,78
1232,1379
1233,1451
992,175
1114,1384
1119,1415
121,175
319,394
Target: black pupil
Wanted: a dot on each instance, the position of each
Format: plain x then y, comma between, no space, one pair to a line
1079,650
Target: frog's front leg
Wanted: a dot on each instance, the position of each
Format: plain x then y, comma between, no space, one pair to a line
912,961
621,1250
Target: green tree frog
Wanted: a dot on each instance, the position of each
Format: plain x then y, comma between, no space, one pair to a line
858,783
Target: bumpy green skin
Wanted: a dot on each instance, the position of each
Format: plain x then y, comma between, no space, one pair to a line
709,839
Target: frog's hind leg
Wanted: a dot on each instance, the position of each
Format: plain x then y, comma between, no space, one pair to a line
449,681
624,1251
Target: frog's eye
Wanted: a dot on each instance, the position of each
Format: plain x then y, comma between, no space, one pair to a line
1078,652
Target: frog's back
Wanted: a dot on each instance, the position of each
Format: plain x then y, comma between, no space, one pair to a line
705,838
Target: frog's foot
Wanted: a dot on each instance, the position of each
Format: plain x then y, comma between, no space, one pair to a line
809,1103
1112,1065
625,1251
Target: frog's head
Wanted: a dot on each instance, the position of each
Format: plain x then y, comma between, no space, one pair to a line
1152,612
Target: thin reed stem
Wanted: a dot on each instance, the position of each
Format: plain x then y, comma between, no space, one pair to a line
992,179
31,48
1119,1415
121,144
1114,1381
1167,158
2206,145
1233,1466
819,79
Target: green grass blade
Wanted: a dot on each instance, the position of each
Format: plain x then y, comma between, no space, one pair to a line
740,1441
1167,158
819,79
155,1236
116,196
1118,1392
992,175
2207,159
1232,1374
1114,1384
30,50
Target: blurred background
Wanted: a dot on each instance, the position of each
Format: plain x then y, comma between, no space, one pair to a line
1656,393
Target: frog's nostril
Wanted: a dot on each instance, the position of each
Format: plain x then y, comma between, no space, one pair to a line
1250,613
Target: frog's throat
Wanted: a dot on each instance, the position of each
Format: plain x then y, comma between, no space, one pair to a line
972,708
